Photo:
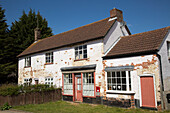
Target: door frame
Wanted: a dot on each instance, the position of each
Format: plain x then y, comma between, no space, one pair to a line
74,87
147,75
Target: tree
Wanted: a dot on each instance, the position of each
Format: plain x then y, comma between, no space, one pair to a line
23,30
3,45
17,39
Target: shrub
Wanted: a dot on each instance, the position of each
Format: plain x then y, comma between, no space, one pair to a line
6,106
10,89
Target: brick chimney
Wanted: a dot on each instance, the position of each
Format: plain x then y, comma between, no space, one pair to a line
37,34
116,13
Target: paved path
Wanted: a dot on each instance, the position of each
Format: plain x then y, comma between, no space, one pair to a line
14,111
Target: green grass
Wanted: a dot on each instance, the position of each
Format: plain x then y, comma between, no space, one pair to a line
68,107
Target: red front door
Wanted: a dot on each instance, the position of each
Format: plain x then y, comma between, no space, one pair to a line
147,91
78,91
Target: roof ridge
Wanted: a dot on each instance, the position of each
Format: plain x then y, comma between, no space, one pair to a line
168,27
75,29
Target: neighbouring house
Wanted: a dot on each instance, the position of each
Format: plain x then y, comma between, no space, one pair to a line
102,60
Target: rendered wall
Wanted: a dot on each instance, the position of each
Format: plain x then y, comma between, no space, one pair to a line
165,63
115,32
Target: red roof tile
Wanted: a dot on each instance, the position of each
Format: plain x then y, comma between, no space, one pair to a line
138,43
88,32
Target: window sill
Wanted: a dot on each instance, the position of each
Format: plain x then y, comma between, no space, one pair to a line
120,92
80,59
48,63
27,66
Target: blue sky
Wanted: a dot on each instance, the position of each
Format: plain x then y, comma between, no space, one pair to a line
64,15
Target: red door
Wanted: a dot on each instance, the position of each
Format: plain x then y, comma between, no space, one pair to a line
147,91
78,89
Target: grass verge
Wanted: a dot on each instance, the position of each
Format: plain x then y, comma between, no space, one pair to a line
70,107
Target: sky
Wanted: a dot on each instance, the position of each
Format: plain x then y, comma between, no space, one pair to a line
64,15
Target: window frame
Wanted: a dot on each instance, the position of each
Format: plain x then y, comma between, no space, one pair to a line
49,58
80,52
168,49
49,81
27,81
128,82
28,61
87,82
67,84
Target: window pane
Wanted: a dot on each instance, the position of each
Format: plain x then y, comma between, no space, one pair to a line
118,80
109,86
80,47
108,74
85,51
118,74
123,74
85,56
109,80
84,46
124,87
114,87
123,80
114,80
118,87
76,48
113,74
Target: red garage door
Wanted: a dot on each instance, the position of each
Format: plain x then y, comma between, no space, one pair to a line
147,91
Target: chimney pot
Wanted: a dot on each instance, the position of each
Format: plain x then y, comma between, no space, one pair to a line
37,34
116,13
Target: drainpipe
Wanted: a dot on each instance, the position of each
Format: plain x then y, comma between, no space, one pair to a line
161,77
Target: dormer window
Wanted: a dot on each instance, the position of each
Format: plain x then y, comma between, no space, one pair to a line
49,58
81,52
27,61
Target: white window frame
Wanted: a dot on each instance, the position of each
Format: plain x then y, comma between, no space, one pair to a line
49,58
28,62
127,81
80,52
27,82
49,81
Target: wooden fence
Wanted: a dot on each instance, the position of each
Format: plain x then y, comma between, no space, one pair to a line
31,98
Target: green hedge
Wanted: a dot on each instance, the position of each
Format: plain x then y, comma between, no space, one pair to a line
10,89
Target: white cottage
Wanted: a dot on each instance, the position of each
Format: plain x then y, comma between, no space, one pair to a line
100,60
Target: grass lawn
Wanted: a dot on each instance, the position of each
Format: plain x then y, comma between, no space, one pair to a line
70,107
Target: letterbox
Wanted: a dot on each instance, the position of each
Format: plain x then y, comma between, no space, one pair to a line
97,90
168,97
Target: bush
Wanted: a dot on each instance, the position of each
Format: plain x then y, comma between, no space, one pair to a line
10,89
6,106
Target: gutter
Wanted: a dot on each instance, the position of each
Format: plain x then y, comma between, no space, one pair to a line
162,84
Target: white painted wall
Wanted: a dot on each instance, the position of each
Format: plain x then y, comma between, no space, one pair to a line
165,63
63,57
115,32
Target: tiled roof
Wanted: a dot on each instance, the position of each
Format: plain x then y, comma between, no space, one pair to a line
146,42
88,32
